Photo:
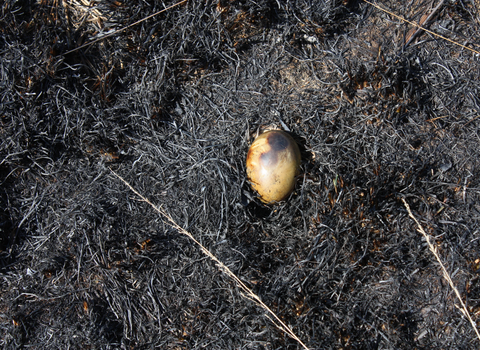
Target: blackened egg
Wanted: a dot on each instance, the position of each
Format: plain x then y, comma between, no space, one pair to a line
273,162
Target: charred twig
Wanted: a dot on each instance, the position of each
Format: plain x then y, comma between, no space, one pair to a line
125,28
424,21
422,28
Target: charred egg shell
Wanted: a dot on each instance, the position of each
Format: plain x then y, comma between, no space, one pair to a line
273,162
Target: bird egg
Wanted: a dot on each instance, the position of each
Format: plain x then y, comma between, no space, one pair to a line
273,162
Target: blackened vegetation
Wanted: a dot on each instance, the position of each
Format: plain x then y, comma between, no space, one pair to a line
171,105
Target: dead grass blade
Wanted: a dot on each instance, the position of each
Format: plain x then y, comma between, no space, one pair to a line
249,293
424,20
421,28
446,275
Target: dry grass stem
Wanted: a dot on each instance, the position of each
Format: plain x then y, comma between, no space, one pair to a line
425,19
249,293
446,275
86,10
421,28
125,28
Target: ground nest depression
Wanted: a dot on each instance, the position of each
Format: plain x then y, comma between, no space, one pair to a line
386,117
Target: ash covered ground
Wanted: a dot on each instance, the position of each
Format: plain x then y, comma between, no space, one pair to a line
171,105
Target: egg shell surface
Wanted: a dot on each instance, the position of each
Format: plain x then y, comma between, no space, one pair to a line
273,162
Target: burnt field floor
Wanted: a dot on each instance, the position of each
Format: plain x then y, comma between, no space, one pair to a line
384,117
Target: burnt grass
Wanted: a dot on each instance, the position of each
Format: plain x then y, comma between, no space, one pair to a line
171,105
